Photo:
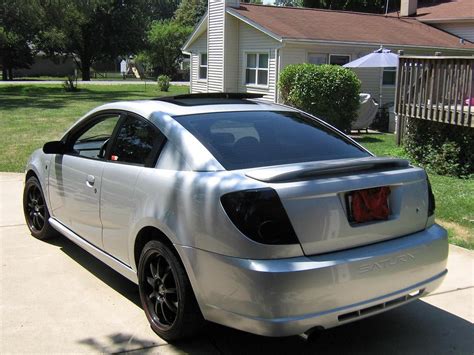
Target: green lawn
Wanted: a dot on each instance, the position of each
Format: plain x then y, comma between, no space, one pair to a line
454,197
31,115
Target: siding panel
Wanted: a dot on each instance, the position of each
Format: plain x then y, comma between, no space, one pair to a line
463,30
215,76
252,40
200,45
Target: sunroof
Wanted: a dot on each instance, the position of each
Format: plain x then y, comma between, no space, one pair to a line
211,99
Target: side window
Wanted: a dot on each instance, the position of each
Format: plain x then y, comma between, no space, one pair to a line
137,142
92,142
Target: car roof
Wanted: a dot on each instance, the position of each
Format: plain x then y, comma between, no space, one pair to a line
195,104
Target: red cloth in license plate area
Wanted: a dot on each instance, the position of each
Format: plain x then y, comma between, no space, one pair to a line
370,204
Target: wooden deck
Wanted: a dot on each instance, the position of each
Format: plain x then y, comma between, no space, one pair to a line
434,89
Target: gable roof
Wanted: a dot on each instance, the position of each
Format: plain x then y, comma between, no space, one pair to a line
291,23
447,10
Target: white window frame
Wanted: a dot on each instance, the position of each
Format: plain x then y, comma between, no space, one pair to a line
200,65
308,54
339,55
244,79
389,69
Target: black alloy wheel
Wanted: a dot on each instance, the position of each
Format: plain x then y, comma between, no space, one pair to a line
35,208
36,211
166,294
160,287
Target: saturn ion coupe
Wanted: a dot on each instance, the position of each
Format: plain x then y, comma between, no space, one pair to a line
227,208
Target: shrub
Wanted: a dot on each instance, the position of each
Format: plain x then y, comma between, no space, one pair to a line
70,84
328,91
442,148
163,82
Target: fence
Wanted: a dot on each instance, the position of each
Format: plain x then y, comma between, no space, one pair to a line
438,89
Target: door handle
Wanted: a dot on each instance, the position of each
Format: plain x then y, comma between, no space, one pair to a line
90,180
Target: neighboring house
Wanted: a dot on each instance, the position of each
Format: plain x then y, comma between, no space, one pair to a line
455,16
45,66
243,48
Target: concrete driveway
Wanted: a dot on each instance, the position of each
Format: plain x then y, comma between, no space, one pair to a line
56,298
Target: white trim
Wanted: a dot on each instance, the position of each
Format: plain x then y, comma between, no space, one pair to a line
369,44
196,33
257,53
446,20
254,24
338,55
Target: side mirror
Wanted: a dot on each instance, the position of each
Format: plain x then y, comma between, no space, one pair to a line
54,147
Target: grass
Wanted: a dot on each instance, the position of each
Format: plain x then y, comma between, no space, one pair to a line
31,115
454,197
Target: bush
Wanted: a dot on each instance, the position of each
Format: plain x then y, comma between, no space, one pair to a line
70,84
328,91
442,148
163,82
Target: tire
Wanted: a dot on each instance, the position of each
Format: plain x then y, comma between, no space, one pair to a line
166,294
36,211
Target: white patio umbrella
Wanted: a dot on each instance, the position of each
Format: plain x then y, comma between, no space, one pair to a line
381,58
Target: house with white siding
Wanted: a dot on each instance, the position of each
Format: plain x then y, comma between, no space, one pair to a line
454,16
240,47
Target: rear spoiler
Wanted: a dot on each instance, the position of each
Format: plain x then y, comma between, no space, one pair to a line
314,169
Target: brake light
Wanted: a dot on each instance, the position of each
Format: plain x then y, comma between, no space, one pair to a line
259,215
431,199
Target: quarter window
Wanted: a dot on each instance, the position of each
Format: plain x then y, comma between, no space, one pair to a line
203,66
337,59
137,142
256,71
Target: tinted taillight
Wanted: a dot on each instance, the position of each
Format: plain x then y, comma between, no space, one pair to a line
431,199
259,215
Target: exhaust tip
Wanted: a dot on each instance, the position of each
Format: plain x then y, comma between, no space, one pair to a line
312,335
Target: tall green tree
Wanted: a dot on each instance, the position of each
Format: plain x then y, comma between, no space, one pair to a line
164,42
20,21
375,6
93,30
190,12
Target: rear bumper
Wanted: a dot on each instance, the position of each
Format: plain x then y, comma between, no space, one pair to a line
290,296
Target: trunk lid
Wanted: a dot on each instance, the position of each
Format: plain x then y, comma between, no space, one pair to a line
314,197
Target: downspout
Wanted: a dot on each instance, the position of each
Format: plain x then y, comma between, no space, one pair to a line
190,70
277,70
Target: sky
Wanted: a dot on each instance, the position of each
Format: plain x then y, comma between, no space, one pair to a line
268,2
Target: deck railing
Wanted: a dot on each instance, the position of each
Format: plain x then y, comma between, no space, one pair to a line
438,89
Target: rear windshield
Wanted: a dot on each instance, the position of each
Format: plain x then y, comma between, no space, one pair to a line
240,140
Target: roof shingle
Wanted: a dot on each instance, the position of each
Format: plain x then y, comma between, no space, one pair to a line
448,9
344,26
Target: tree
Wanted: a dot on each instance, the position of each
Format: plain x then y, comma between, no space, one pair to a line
93,30
256,2
291,3
161,9
164,41
19,22
375,6
190,12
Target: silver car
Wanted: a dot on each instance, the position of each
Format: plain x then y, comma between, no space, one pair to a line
226,208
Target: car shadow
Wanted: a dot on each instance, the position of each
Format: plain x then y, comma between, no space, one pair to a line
417,327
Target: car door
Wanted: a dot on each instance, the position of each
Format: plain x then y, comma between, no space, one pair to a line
135,147
75,178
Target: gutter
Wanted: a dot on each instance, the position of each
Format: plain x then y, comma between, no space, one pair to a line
344,43
448,20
